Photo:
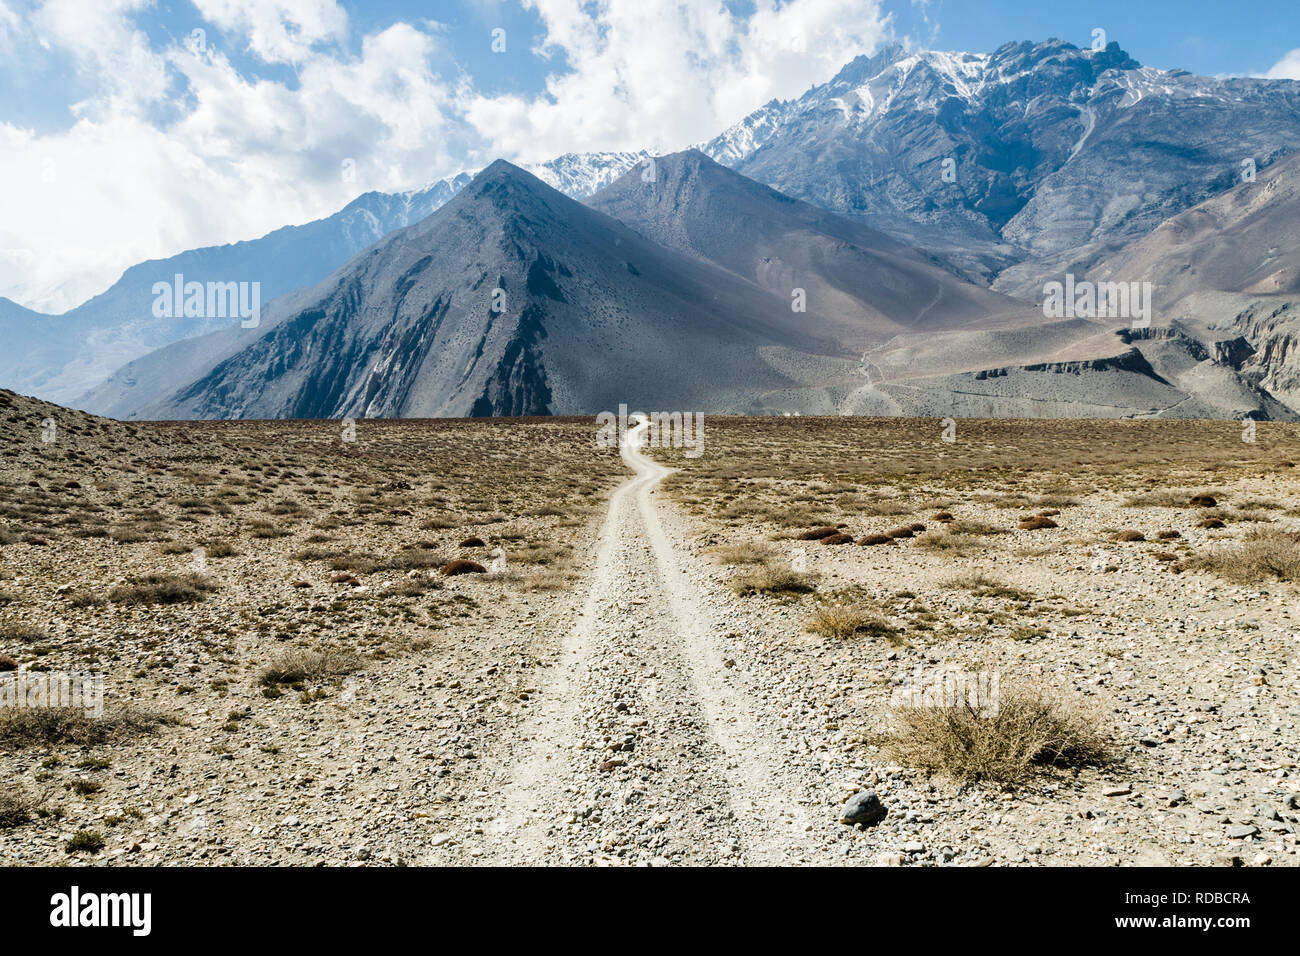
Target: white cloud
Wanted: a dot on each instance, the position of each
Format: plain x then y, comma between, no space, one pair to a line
664,74
9,25
279,31
245,157
107,49
1287,68
238,155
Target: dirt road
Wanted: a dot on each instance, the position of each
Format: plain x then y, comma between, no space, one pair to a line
645,743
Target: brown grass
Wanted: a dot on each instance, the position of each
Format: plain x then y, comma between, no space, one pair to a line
733,554
301,666
768,580
1037,522
51,726
838,622
1033,727
1264,555
162,589
816,534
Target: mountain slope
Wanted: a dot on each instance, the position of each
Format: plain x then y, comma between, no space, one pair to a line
1228,270
1053,149
1245,242
592,315
859,284
118,325
87,344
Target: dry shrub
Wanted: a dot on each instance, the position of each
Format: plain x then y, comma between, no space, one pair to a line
948,543
876,539
416,558
15,810
748,553
299,666
837,539
473,543
461,566
162,589
816,534
982,585
545,581
1123,536
1037,522
1263,556
883,507
839,623
1033,726
49,726
767,580
16,632
1157,499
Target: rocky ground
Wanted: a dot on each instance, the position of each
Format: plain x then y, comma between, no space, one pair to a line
656,675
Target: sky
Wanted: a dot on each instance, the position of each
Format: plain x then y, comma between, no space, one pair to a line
136,129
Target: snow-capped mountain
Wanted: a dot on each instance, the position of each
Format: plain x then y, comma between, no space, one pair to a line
83,347
1029,153
579,175
1008,168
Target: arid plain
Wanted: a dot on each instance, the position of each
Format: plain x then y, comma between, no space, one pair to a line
494,641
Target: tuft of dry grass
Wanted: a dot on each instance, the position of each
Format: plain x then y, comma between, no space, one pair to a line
1037,522
17,632
49,726
299,667
1127,536
769,580
816,534
15,810
949,543
1032,726
982,585
838,622
733,554
1265,555
162,589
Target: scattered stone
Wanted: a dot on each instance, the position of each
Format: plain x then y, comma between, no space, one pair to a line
863,808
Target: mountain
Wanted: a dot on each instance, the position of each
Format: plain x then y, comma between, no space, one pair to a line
578,175
99,336
1242,244
1227,274
862,285
84,346
592,314
1058,155
671,288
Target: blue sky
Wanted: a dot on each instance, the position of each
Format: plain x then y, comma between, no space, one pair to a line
133,129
